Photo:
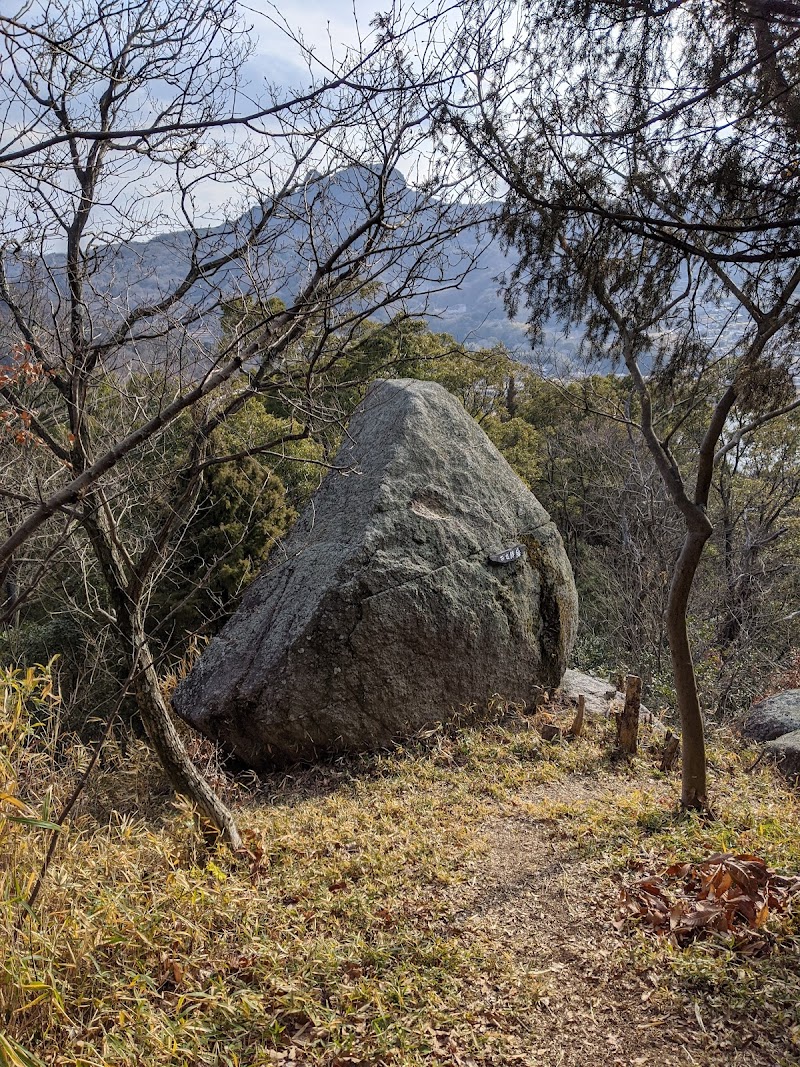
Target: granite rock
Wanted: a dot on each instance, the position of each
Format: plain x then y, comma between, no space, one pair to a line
383,611
773,717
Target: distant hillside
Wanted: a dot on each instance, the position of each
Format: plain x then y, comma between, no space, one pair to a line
144,271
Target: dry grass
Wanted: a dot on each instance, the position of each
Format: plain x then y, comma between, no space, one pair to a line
343,941
335,946
727,999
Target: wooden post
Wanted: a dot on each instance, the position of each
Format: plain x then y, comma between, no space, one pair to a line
628,718
670,754
577,723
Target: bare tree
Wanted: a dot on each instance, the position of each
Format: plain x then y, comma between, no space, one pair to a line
113,280
46,27
632,212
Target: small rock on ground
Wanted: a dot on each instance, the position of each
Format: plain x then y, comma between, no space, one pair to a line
602,697
785,750
773,717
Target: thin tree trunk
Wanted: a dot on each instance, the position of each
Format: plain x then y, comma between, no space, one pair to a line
165,739
156,717
694,789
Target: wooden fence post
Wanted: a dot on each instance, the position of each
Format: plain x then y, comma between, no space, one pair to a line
577,723
628,718
672,747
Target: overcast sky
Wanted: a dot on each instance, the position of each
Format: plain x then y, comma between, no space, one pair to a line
321,25
327,28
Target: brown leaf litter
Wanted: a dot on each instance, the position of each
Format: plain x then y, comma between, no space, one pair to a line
725,894
546,900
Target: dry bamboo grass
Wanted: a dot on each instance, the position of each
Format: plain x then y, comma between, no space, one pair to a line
338,942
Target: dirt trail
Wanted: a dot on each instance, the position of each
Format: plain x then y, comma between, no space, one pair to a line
540,899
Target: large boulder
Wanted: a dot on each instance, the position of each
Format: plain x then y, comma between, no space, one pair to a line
773,717
383,611
785,750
